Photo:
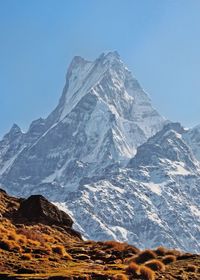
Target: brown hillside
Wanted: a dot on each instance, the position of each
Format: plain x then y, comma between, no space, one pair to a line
37,241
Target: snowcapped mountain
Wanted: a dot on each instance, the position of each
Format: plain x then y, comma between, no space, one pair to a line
102,117
107,157
154,200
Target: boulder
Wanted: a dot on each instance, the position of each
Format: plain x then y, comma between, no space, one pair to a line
37,209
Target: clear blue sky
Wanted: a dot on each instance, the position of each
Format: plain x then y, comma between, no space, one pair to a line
159,40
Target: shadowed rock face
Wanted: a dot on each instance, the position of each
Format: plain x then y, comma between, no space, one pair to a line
38,209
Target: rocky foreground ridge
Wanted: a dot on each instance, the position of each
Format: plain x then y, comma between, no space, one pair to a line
37,241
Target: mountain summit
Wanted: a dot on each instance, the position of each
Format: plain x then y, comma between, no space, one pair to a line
102,117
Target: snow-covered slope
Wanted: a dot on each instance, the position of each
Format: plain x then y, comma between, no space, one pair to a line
192,137
154,200
111,160
102,117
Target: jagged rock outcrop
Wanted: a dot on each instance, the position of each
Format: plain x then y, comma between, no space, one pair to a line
37,209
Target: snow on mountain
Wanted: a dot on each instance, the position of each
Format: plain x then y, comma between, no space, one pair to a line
10,146
154,200
107,157
102,117
192,137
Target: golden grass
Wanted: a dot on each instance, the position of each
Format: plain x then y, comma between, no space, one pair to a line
119,246
191,268
169,259
9,245
146,273
60,249
141,271
133,269
160,251
145,256
155,265
120,277
26,256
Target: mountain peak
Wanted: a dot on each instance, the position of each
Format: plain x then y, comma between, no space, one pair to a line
77,62
176,126
109,56
15,128
108,78
167,144
14,131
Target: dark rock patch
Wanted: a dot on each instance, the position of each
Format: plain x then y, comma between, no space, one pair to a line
37,209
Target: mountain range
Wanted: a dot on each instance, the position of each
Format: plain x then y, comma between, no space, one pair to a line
108,158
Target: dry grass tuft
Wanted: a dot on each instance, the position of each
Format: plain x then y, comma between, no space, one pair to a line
145,256
169,259
141,271
191,268
31,234
173,252
10,245
26,257
33,243
21,239
60,249
133,269
119,246
155,265
184,256
146,273
120,277
160,251
12,236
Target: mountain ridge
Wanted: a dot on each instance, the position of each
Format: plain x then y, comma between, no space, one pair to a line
157,191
